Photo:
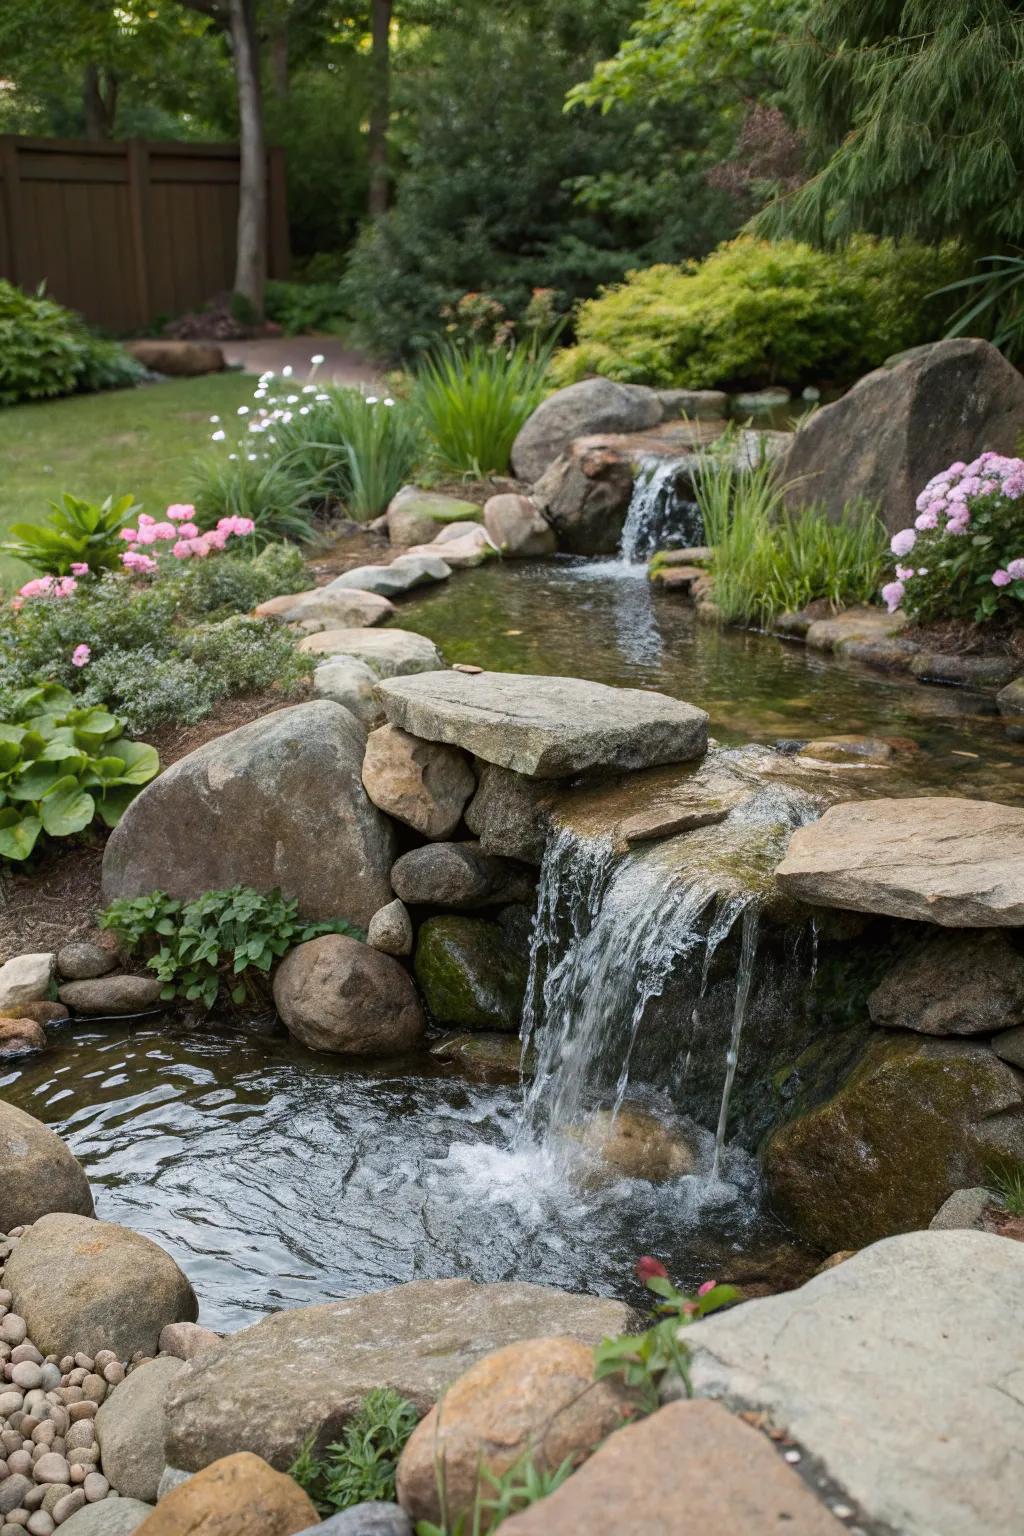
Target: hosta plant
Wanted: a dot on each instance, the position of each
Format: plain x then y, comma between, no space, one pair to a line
78,536
61,766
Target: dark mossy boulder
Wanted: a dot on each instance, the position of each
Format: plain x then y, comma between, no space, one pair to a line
914,1120
483,1053
469,974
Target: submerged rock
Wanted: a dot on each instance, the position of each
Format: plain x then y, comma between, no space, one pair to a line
633,1144
278,803
421,783
303,1372
482,1053
37,1172
594,405
459,875
91,1285
886,437
546,727
469,974
335,994
953,984
903,1409
959,863
915,1120
864,750
537,1398
235,1496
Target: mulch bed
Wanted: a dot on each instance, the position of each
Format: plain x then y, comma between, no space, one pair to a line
961,638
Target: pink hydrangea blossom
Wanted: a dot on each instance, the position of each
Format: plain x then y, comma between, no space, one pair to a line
892,595
904,572
129,535
1001,578
181,512
48,586
926,519
142,564
145,521
164,531
1016,569
188,531
79,568
903,542
80,656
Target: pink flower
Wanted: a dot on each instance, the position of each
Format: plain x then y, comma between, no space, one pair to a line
188,531
145,521
1001,578
709,1285
926,519
164,531
647,1268
129,535
903,542
958,525
48,586
80,656
182,550
133,561
1016,569
181,512
79,568
904,572
892,595
146,533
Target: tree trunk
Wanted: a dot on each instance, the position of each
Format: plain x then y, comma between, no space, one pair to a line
251,259
380,106
279,62
100,108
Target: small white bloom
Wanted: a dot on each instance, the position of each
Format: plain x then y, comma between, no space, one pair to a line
232,455
371,399
215,419
286,371
389,402
251,457
303,410
317,359
322,398
243,410
217,437
309,389
291,399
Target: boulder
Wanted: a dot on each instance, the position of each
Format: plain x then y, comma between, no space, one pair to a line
110,1517
111,994
547,727
26,979
693,404
278,803
392,580
37,1172
324,608
414,516
914,1120
421,783
460,546
21,1037
185,1340
83,961
853,627
390,930
584,495
904,1411
936,859
953,670
953,984
372,1518
484,1054
689,1469
535,1399
335,994
90,1285
1009,1046
351,683
899,426
964,1210
633,1144
303,1372
1011,698
178,359
469,974
517,528
40,1013
594,405
458,875
130,1429
388,652
509,815
238,1495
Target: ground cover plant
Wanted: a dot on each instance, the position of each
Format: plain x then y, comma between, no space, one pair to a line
360,1467
47,350
222,945
964,556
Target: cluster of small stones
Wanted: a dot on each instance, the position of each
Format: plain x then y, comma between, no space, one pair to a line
49,1459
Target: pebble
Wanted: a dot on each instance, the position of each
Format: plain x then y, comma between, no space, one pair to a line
68,1505
80,1434
13,1329
113,1373
84,1456
79,1472
82,1409
51,1468
96,1487
95,1388
27,1375
85,1362
41,1524
10,1402
53,1495
20,1461
26,1351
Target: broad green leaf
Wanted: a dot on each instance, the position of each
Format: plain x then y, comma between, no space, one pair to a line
113,802
34,781
141,761
10,755
67,808
18,834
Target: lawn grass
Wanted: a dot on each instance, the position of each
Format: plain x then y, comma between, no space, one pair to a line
128,440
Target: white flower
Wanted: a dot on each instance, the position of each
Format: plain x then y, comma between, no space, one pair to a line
389,402
232,455
243,410
303,410
251,457
322,398
371,399
291,399
309,389
217,437
286,371
317,359
215,419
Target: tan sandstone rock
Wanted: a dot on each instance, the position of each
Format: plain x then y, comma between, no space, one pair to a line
336,994
422,783
236,1496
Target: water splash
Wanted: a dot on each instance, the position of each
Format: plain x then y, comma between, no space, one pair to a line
657,516
744,977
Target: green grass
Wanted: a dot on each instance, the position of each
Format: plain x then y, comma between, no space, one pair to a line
140,441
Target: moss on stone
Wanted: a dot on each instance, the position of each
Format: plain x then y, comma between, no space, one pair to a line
913,1121
469,975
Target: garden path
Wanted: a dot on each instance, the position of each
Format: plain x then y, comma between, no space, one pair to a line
342,364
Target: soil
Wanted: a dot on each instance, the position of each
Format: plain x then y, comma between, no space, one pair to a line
960,637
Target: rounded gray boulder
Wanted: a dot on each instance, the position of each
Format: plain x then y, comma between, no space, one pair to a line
37,1172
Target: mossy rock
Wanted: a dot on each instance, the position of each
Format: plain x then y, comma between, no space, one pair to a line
485,1054
469,975
914,1120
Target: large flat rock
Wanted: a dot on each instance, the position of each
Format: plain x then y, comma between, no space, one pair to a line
546,727
959,863
303,1372
901,1370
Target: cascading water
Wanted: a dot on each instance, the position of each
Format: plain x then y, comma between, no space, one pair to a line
657,514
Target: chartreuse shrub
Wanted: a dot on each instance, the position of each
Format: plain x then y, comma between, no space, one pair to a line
46,350
755,313
964,556
61,766
77,533
222,942
361,1466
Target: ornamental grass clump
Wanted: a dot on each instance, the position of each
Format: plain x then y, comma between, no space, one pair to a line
474,400
964,556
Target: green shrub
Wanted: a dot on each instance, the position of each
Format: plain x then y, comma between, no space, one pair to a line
76,532
46,351
61,766
352,448
474,401
219,945
360,1467
299,307
757,313
767,560
275,494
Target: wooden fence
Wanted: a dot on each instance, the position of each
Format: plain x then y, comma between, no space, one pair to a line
128,232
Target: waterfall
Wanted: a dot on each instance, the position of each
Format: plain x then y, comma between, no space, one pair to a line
657,514
744,976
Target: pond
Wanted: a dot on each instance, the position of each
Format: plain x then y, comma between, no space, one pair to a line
278,1177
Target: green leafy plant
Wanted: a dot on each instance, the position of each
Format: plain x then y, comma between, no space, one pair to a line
76,532
757,313
352,448
993,303
643,1360
474,400
61,766
361,1465
273,492
298,307
46,351
499,1495
220,943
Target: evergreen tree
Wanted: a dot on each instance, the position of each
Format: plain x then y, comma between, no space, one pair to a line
911,110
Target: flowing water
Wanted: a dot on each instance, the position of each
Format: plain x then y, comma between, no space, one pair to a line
660,977
658,517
